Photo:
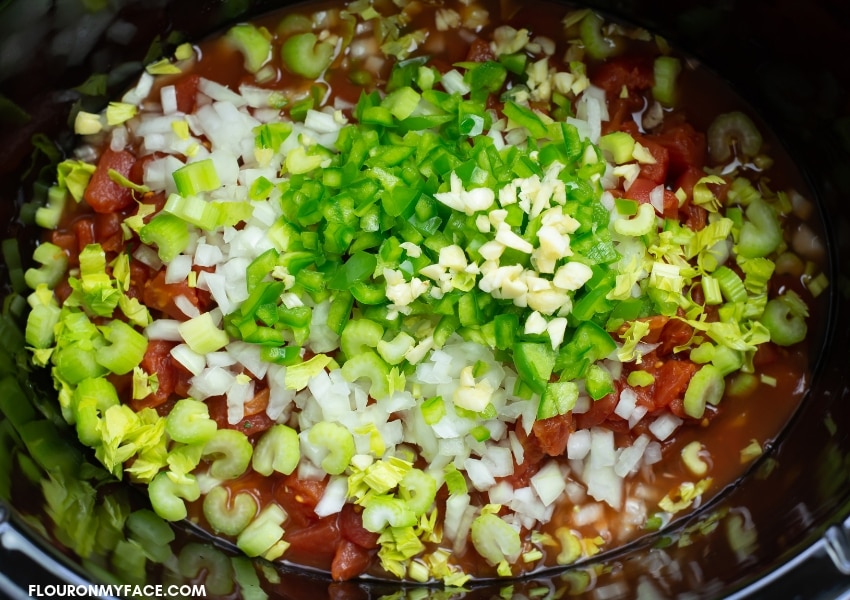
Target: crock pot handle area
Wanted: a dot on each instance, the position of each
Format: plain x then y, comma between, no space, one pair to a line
821,572
28,569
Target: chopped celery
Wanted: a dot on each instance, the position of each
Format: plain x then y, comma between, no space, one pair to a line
418,489
597,45
231,451
619,144
264,533
371,366
761,233
733,129
665,70
168,232
91,398
253,42
125,350
277,450
48,216
784,317
303,54
201,334
53,262
229,513
706,387
337,441
382,511
196,177
494,539
151,533
189,422
639,225
167,496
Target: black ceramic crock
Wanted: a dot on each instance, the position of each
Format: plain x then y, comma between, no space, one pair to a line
780,532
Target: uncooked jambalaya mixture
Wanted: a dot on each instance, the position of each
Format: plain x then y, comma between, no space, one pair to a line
426,290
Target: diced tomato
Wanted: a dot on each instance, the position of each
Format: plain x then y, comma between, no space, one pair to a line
676,332
620,112
84,230
686,146
351,527
257,403
553,433
186,89
158,361
599,411
480,51
67,240
62,291
250,425
688,179
632,72
350,560
319,538
656,171
694,217
299,498
159,295
107,231
137,172
103,194
672,381
766,354
641,189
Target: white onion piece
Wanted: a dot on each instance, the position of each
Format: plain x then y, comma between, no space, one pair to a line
211,382
588,514
238,394
549,482
652,454
630,457
194,362
480,475
456,506
178,269
148,256
221,93
168,99
578,444
627,403
664,426
637,414
334,497
164,329
501,493
656,198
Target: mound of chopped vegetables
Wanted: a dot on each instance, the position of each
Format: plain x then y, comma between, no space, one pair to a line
379,304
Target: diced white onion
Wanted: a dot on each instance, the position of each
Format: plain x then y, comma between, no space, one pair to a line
664,426
549,482
578,444
168,99
334,497
630,457
627,403
178,269
190,359
164,329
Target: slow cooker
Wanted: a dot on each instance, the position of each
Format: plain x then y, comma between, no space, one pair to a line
782,531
